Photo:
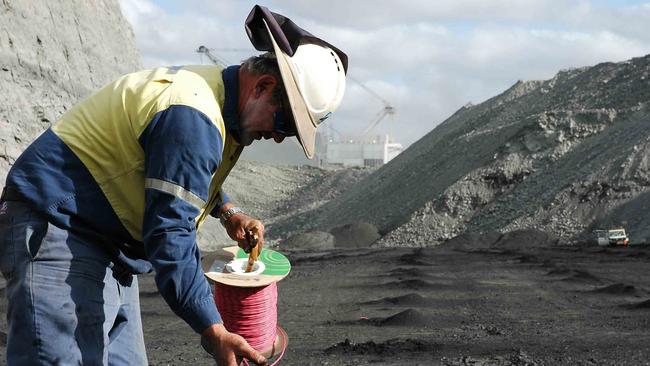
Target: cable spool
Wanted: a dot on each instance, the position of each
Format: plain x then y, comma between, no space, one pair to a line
247,302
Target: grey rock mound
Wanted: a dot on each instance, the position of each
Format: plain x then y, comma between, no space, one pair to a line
355,235
279,192
563,156
313,240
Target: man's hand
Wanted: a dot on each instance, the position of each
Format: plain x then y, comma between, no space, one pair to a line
239,225
228,348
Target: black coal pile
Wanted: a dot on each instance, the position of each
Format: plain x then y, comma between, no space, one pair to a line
564,156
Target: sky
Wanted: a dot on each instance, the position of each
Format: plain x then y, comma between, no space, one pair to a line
426,59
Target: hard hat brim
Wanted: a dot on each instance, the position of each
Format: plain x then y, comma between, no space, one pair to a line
305,124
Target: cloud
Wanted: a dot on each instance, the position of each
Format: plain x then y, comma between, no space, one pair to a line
171,38
427,59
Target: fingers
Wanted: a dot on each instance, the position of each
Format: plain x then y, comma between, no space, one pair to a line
255,235
230,360
257,224
227,348
245,350
241,349
260,232
241,238
231,352
239,227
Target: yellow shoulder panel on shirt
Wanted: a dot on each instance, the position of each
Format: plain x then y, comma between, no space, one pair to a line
181,87
103,130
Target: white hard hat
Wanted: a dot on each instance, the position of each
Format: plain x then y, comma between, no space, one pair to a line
314,79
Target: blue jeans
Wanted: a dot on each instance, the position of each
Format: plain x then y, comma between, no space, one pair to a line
69,304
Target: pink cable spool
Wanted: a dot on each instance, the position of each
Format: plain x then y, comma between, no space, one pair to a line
247,302
251,312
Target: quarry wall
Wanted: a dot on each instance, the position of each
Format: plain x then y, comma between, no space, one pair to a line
52,54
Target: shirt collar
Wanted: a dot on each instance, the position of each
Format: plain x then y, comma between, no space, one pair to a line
230,114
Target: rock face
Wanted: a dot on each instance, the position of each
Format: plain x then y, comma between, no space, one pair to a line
565,156
52,54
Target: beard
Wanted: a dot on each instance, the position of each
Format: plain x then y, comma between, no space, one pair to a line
246,136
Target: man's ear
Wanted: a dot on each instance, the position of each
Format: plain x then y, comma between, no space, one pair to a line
265,83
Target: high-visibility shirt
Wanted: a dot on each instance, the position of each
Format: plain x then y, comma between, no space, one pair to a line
136,168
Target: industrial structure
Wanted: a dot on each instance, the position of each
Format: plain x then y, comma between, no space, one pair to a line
369,154
333,148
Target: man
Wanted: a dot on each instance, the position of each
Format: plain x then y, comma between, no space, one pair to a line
120,185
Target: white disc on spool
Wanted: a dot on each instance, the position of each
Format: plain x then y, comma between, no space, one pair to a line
275,267
238,266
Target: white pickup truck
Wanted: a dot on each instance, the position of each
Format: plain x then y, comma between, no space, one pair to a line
613,237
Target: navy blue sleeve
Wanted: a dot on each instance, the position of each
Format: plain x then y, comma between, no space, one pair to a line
182,150
223,200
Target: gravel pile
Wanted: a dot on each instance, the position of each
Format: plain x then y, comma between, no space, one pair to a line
278,193
564,156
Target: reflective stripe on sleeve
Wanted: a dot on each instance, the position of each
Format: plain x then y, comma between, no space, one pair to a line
174,190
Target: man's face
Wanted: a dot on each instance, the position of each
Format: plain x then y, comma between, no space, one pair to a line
256,118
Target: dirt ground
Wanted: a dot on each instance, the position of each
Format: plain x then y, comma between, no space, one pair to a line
448,305
444,306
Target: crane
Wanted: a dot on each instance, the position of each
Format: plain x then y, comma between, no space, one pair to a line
214,58
387,110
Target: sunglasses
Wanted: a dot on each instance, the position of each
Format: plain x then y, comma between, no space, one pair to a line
283,121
